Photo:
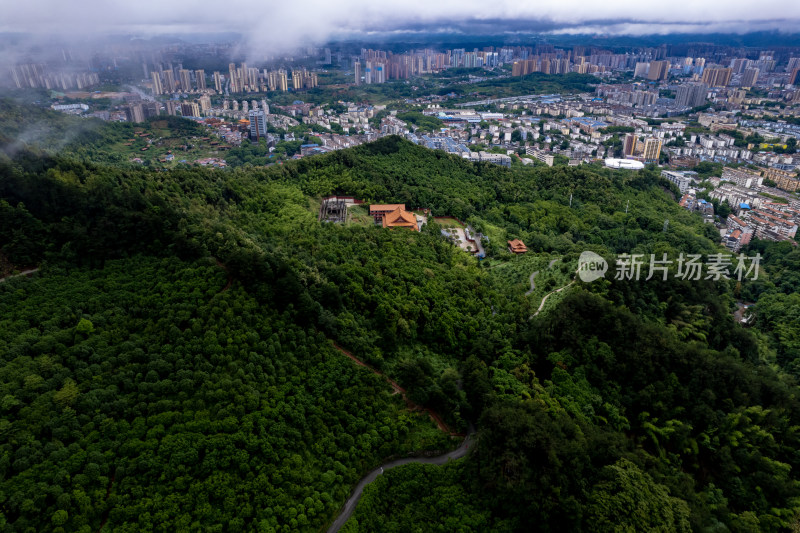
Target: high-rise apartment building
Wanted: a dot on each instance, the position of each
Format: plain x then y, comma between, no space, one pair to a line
190,109
283,82
659,70
205,103
641,70
652,149
717,77
169,81
258,124
186,80
545,66
233,77
218,82
378,73
629,146
243,83
738,65
158,88
794,77
691,95
750,77
357,71
139,111
151,109
252,78
172,107
200,79
134,113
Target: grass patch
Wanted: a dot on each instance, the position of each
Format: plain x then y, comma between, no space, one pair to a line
449,222
515,276
359,215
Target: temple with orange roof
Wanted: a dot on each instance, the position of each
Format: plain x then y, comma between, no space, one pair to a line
517,247
399,218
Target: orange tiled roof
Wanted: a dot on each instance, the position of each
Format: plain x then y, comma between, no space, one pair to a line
385,207
400,218
517,246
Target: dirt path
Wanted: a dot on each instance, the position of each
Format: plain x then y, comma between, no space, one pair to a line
225,268
108,511
23,273
546,296
400,390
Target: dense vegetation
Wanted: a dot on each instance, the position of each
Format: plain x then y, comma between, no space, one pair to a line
420,122
147,395
148,387
117,143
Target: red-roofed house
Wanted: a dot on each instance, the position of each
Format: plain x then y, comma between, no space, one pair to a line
517,247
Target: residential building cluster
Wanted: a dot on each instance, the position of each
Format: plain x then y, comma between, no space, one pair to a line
40,76
771,221
241,79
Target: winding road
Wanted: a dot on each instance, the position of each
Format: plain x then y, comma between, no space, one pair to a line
549,294
459,452
549,266
351,502
532,285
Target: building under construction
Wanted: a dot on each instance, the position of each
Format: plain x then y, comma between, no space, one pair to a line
333,210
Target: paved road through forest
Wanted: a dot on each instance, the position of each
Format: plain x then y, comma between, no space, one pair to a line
459,452
350,505
533,275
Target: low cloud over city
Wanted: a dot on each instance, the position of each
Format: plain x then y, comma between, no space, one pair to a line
284,25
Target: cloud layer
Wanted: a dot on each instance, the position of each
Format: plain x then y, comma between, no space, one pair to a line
273,26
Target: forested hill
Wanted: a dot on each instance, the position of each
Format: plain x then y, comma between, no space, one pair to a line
171,367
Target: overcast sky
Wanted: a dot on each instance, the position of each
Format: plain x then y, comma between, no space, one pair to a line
272,25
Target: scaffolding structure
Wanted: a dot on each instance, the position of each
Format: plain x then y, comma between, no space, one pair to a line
333,210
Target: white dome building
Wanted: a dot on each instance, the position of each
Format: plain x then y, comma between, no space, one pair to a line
627,164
